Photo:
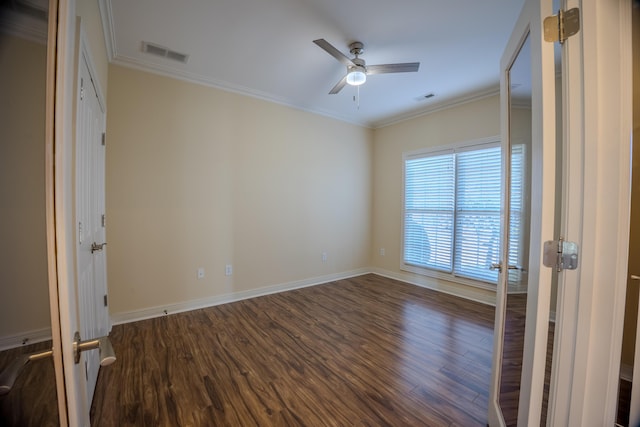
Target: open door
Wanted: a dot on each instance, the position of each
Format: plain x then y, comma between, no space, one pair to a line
90,221
79,234
528,122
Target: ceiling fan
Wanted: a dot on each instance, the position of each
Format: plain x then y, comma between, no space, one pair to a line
357,70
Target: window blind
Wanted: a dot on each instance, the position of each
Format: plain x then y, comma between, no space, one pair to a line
452,210
477,237
429,211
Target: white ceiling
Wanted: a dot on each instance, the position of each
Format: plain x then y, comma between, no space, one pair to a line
264,48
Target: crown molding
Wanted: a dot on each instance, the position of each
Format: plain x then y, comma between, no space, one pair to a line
23,26
114,57
129,62
443,105
106,15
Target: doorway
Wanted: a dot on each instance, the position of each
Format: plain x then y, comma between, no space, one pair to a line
25,318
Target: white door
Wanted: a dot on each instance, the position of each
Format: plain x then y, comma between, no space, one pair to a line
79,204
90,233
529,146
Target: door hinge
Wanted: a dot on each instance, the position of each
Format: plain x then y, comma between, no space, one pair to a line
104,138
81,89
103,220
106,301
558,28
560,254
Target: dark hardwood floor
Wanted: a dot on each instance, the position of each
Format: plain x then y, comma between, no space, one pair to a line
512,361
512,357
365,351
624,402
32,401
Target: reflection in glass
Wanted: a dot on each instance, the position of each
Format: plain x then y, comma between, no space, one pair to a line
518,231
25,324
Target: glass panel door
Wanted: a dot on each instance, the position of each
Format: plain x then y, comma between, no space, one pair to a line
528,219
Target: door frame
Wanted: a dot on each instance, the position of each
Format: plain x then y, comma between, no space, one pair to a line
543,119
596,214
599,131
50,207
78,414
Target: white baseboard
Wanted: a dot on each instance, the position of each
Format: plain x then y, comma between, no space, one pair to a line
478,295
158,311
626,372
25,338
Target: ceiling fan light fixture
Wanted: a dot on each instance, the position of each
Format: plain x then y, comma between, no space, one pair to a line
356,76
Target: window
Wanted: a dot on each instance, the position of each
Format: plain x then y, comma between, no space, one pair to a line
452,208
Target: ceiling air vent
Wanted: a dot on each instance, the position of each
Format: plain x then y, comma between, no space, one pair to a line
162,51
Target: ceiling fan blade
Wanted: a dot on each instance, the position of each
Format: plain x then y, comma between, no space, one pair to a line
338,87
328,47
407,67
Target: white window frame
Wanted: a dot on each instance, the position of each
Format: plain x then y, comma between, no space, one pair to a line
432,151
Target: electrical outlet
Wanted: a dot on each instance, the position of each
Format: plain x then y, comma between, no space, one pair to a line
200,273
382,252
324,257
228,270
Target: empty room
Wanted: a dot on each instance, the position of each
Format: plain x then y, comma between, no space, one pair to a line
303,212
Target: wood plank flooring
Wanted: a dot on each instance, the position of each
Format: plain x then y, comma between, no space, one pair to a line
363,351
512,361
366,351
32,401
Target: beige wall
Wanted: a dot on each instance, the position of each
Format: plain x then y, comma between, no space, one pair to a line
24,295
198,177
466,122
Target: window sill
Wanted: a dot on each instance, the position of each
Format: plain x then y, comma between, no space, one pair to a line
448,277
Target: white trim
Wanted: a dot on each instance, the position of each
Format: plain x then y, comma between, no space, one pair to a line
622,125
167,71
453,148
626,373
23,26
77,407
443,105
83,49
446,287
106,16
571,228
158,311
590,316
449,277
188,77
25,338
542,199
423,282
50,206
